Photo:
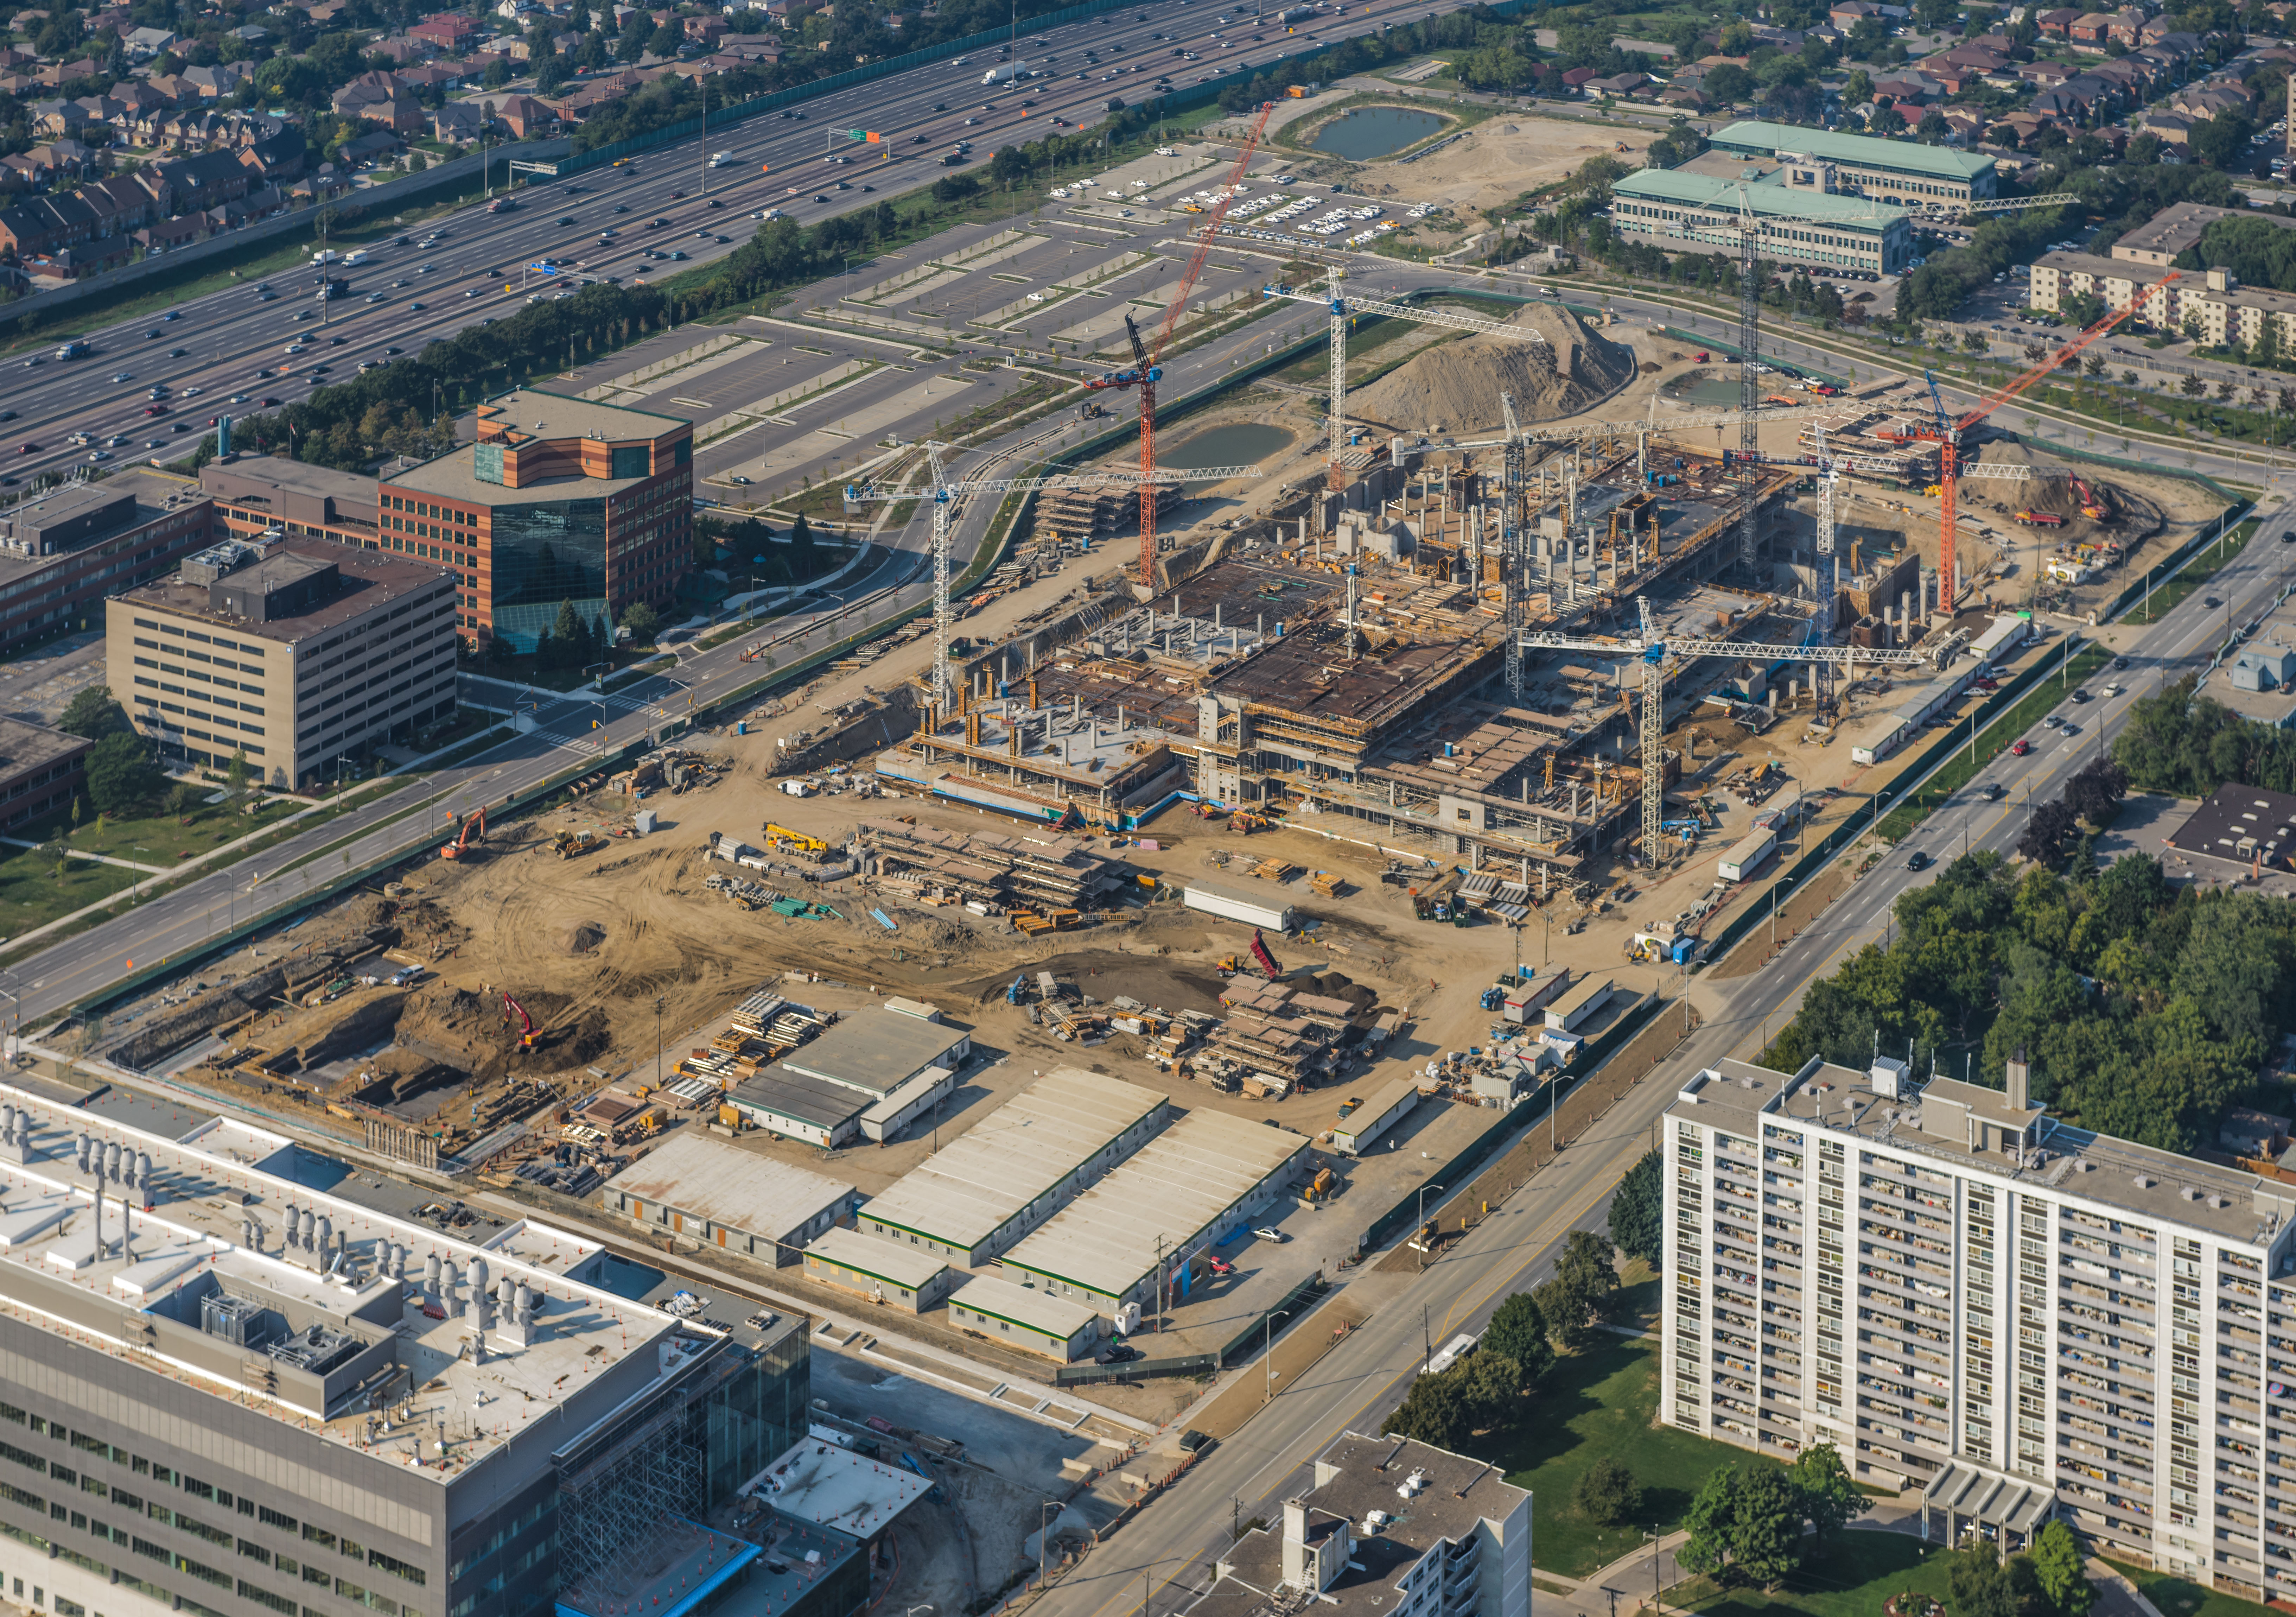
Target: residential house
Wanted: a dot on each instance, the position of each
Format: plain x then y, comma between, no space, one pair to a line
65,159
1683,97
275,159
527,118
705,29
165,236
206,180
458,122
373,147
432,76
752,47
2046,75
219,80
404,49
2090,31
1847,15
1577,79
1967,124
142,44
2171,129
251,33
1622,84
2204,100
2056,24
1906,89
176,87
449,31
2128,26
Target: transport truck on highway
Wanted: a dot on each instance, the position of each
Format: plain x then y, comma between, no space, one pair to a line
1005,73
74,350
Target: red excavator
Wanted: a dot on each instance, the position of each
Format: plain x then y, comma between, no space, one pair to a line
513,1011
473,827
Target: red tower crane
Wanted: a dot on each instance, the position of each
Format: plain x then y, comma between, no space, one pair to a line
1147,359
1947,433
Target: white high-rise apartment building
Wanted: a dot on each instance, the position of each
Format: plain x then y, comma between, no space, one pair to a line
2017,1317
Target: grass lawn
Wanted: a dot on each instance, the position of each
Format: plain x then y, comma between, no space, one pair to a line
1639,1302
31,893
1603,1402
1849,1577
162,840
2197,572
2177,1599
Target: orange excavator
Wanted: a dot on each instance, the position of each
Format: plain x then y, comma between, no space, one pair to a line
2092,504
514,1012
475,826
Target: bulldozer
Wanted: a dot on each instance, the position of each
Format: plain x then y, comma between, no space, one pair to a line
572,844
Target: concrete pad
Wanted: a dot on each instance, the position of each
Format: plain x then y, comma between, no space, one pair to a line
936,397
915,289
681,380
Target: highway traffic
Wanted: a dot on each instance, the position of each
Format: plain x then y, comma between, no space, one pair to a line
227,353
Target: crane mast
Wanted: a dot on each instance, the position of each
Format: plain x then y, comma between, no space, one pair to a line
1750,342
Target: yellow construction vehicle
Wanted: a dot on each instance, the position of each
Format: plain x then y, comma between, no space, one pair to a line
572,844
781,836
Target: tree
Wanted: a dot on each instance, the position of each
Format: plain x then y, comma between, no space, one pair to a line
1709,1522
1829,1498
1978,1585
120,772
2192,387
56,854
1583,1290
568,636
93,714
235,773
2044,837
1728,82
1765,1538
642,622
1607,1494
2057,1574
1518,1332
2095,794
1637,1208
1448,1407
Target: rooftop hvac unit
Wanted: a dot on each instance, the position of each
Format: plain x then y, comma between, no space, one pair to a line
238,1320
315,1349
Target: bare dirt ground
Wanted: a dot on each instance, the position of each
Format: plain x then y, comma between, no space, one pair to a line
1499,160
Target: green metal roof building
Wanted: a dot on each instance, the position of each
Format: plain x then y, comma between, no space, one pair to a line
1889,171
1817,229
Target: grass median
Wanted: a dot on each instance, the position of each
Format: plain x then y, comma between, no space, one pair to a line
1993,738
2195,574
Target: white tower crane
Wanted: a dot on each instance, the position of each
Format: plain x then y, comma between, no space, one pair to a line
947,496
1654,653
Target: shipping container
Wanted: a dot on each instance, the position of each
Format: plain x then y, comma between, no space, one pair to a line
1265,909
1748,857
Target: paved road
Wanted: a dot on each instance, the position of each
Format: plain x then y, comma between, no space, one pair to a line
1170,1546
226,353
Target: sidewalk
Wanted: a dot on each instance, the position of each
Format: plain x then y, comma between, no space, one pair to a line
100,858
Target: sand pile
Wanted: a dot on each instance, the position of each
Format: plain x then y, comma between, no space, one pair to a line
1455,388
2129,517
585,939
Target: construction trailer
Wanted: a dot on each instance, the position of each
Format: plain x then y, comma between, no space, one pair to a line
1580,1001
1265,909
720,1195
1748,855
1387,1105
898,1277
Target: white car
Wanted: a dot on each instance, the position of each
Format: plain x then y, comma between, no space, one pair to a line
1268,1232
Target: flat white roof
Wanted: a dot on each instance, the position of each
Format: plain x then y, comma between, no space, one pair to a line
1161,1199
876,1257
1024,1305
727,1186
965,1192
837,1488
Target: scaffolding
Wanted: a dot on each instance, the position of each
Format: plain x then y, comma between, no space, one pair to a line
632,1482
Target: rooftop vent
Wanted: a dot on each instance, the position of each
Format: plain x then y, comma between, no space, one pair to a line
2144,1181
2189,1193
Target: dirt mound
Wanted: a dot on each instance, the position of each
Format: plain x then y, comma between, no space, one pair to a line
1337,985
476,1033
585,939
2128,516
1455,388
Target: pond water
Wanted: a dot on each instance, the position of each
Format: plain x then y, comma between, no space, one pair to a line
1709,393
1236,444
1374,132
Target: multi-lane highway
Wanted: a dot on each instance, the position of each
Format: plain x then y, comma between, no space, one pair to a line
226,353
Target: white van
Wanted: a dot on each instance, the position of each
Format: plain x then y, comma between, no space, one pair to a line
719,159
356,257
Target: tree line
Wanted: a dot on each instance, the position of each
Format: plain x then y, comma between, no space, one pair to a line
406,406
2145,1009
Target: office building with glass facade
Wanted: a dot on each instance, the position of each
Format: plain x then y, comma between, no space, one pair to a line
281,1402
560,500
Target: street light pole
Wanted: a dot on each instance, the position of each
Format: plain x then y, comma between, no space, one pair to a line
1267,1354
